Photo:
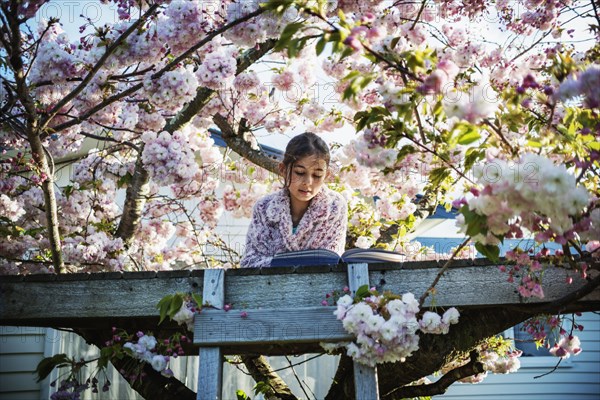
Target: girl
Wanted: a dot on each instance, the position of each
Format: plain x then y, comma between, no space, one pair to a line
304,214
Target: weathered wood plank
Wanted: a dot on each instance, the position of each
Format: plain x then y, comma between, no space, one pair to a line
366,386
365,377
210,368
289,325
100,297
210,373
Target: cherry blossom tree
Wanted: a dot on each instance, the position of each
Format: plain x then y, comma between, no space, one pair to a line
504,130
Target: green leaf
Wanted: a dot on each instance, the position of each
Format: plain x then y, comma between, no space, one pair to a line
438,175
534,143
198,299
286,36
492,252
45,367
261,387
106,354
175,305
68,190
320,46
362,292
124,180
404,151
590,142
163,305
472,155
241,395
476,223
468,134
279,6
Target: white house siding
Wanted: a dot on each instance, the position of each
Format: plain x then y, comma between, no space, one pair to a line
577,378
21,349
316,373
73,345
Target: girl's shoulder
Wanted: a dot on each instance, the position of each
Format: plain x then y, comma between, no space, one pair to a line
332,196
275,197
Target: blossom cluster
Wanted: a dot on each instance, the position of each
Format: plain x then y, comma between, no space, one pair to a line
532,194
143,45
241,202
147,349
182,24
256,30
10,209
530,269
567,345
370,150
95,248
168,157
495,363
386,326
478,103
171,90
217,69
69,389
55,59
584,85
185,315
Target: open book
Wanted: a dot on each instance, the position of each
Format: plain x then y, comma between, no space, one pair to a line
328,257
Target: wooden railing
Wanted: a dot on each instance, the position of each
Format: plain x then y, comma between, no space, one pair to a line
281,305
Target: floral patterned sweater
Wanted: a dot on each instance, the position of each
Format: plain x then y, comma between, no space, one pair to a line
323,226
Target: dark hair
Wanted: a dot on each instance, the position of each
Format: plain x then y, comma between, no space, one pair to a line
304,145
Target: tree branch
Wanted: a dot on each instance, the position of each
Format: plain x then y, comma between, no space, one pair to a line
242,147
158,74
138,190
342,386
261,371
109,51
153,386
473,367
31,130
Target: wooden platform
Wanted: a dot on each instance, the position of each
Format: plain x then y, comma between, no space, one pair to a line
83,300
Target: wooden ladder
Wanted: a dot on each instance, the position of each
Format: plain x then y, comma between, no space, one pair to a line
214,328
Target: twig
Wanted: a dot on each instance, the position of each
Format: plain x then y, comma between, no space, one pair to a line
109,139
418,14
296,376
441,272
596,12
158,74
498,132
300,363
551,371
109,51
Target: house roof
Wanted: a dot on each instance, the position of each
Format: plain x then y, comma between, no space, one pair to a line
215,134
272,152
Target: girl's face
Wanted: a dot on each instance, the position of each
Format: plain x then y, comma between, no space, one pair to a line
307,178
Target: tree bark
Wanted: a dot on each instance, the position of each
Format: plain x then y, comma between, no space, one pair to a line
38,152
261,371
243,148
